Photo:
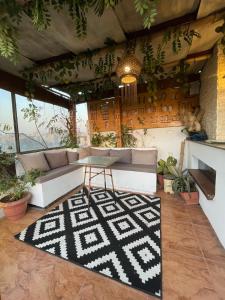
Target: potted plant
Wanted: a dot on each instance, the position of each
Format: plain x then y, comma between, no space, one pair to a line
168,180
163,169
15,192
185,186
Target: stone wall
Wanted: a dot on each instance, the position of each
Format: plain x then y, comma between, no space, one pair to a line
212,95
208,96
220,132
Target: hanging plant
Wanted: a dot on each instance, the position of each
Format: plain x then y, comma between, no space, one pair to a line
179,34
148,10
8,45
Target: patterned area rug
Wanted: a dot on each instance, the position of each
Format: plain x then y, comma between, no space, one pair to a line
118,239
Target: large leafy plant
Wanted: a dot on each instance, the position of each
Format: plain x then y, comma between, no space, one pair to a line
183,182
127,137
107,140
166,166
14,187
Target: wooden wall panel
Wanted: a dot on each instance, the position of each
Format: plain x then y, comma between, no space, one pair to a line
167,111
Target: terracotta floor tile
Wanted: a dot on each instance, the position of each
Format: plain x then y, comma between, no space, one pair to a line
211,247
186,278
27,273
217,272
197,215
175,213
179,237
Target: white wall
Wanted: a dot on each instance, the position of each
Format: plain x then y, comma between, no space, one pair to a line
214,209
166,140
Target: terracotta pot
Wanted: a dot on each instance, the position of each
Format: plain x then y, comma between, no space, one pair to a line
160,180
16,210
190,198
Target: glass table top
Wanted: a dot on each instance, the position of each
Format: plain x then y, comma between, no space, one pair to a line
97,161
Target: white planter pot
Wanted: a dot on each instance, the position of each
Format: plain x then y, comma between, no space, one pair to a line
168,183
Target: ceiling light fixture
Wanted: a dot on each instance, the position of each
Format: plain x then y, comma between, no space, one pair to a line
128,70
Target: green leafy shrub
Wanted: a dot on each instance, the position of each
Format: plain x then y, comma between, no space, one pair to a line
13,187
166,166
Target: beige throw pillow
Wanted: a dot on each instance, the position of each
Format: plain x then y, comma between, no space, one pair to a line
34,161
56,159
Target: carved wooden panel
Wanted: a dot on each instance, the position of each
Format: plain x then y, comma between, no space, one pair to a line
167,111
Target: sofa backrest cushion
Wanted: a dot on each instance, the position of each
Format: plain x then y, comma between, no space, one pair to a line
34,161
72,156
56,159
144,157
84,152
99,152
125,155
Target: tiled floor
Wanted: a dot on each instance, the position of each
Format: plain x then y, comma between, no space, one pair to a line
193,263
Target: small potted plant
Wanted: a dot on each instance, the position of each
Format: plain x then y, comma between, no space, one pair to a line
163,169
185,186
15,192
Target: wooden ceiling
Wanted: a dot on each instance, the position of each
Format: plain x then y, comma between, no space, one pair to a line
120,24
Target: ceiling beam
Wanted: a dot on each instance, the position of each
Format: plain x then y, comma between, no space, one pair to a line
132,35
17,85
191,56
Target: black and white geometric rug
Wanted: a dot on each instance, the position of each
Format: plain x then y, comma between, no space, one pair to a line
120,240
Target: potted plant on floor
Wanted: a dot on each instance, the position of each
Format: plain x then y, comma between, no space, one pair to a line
163,169
15,192
185,186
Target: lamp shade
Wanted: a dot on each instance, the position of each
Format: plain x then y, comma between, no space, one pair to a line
128,69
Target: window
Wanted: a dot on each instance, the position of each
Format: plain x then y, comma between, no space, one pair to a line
82,125
7,136
33,132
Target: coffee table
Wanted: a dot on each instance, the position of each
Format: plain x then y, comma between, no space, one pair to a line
99,162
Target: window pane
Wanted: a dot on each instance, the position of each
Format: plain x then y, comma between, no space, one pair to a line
34,133
7,136
82,125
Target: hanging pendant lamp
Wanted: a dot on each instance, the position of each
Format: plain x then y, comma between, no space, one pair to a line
128,70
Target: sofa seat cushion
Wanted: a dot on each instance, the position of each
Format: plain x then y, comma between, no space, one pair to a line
33,161
99,152
56,159
125,155
134,167
72,156
57,173
144,157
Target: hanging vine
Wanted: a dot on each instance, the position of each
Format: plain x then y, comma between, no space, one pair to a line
11,13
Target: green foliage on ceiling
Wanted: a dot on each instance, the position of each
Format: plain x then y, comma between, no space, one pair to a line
148,10
12,12
102,63
154,60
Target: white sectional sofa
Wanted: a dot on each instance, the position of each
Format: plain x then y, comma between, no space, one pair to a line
135,171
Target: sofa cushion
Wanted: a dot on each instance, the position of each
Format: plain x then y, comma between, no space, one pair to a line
134,167
144,157
57,173
72,156
125,155
56,159
83,152
34,161
99,152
